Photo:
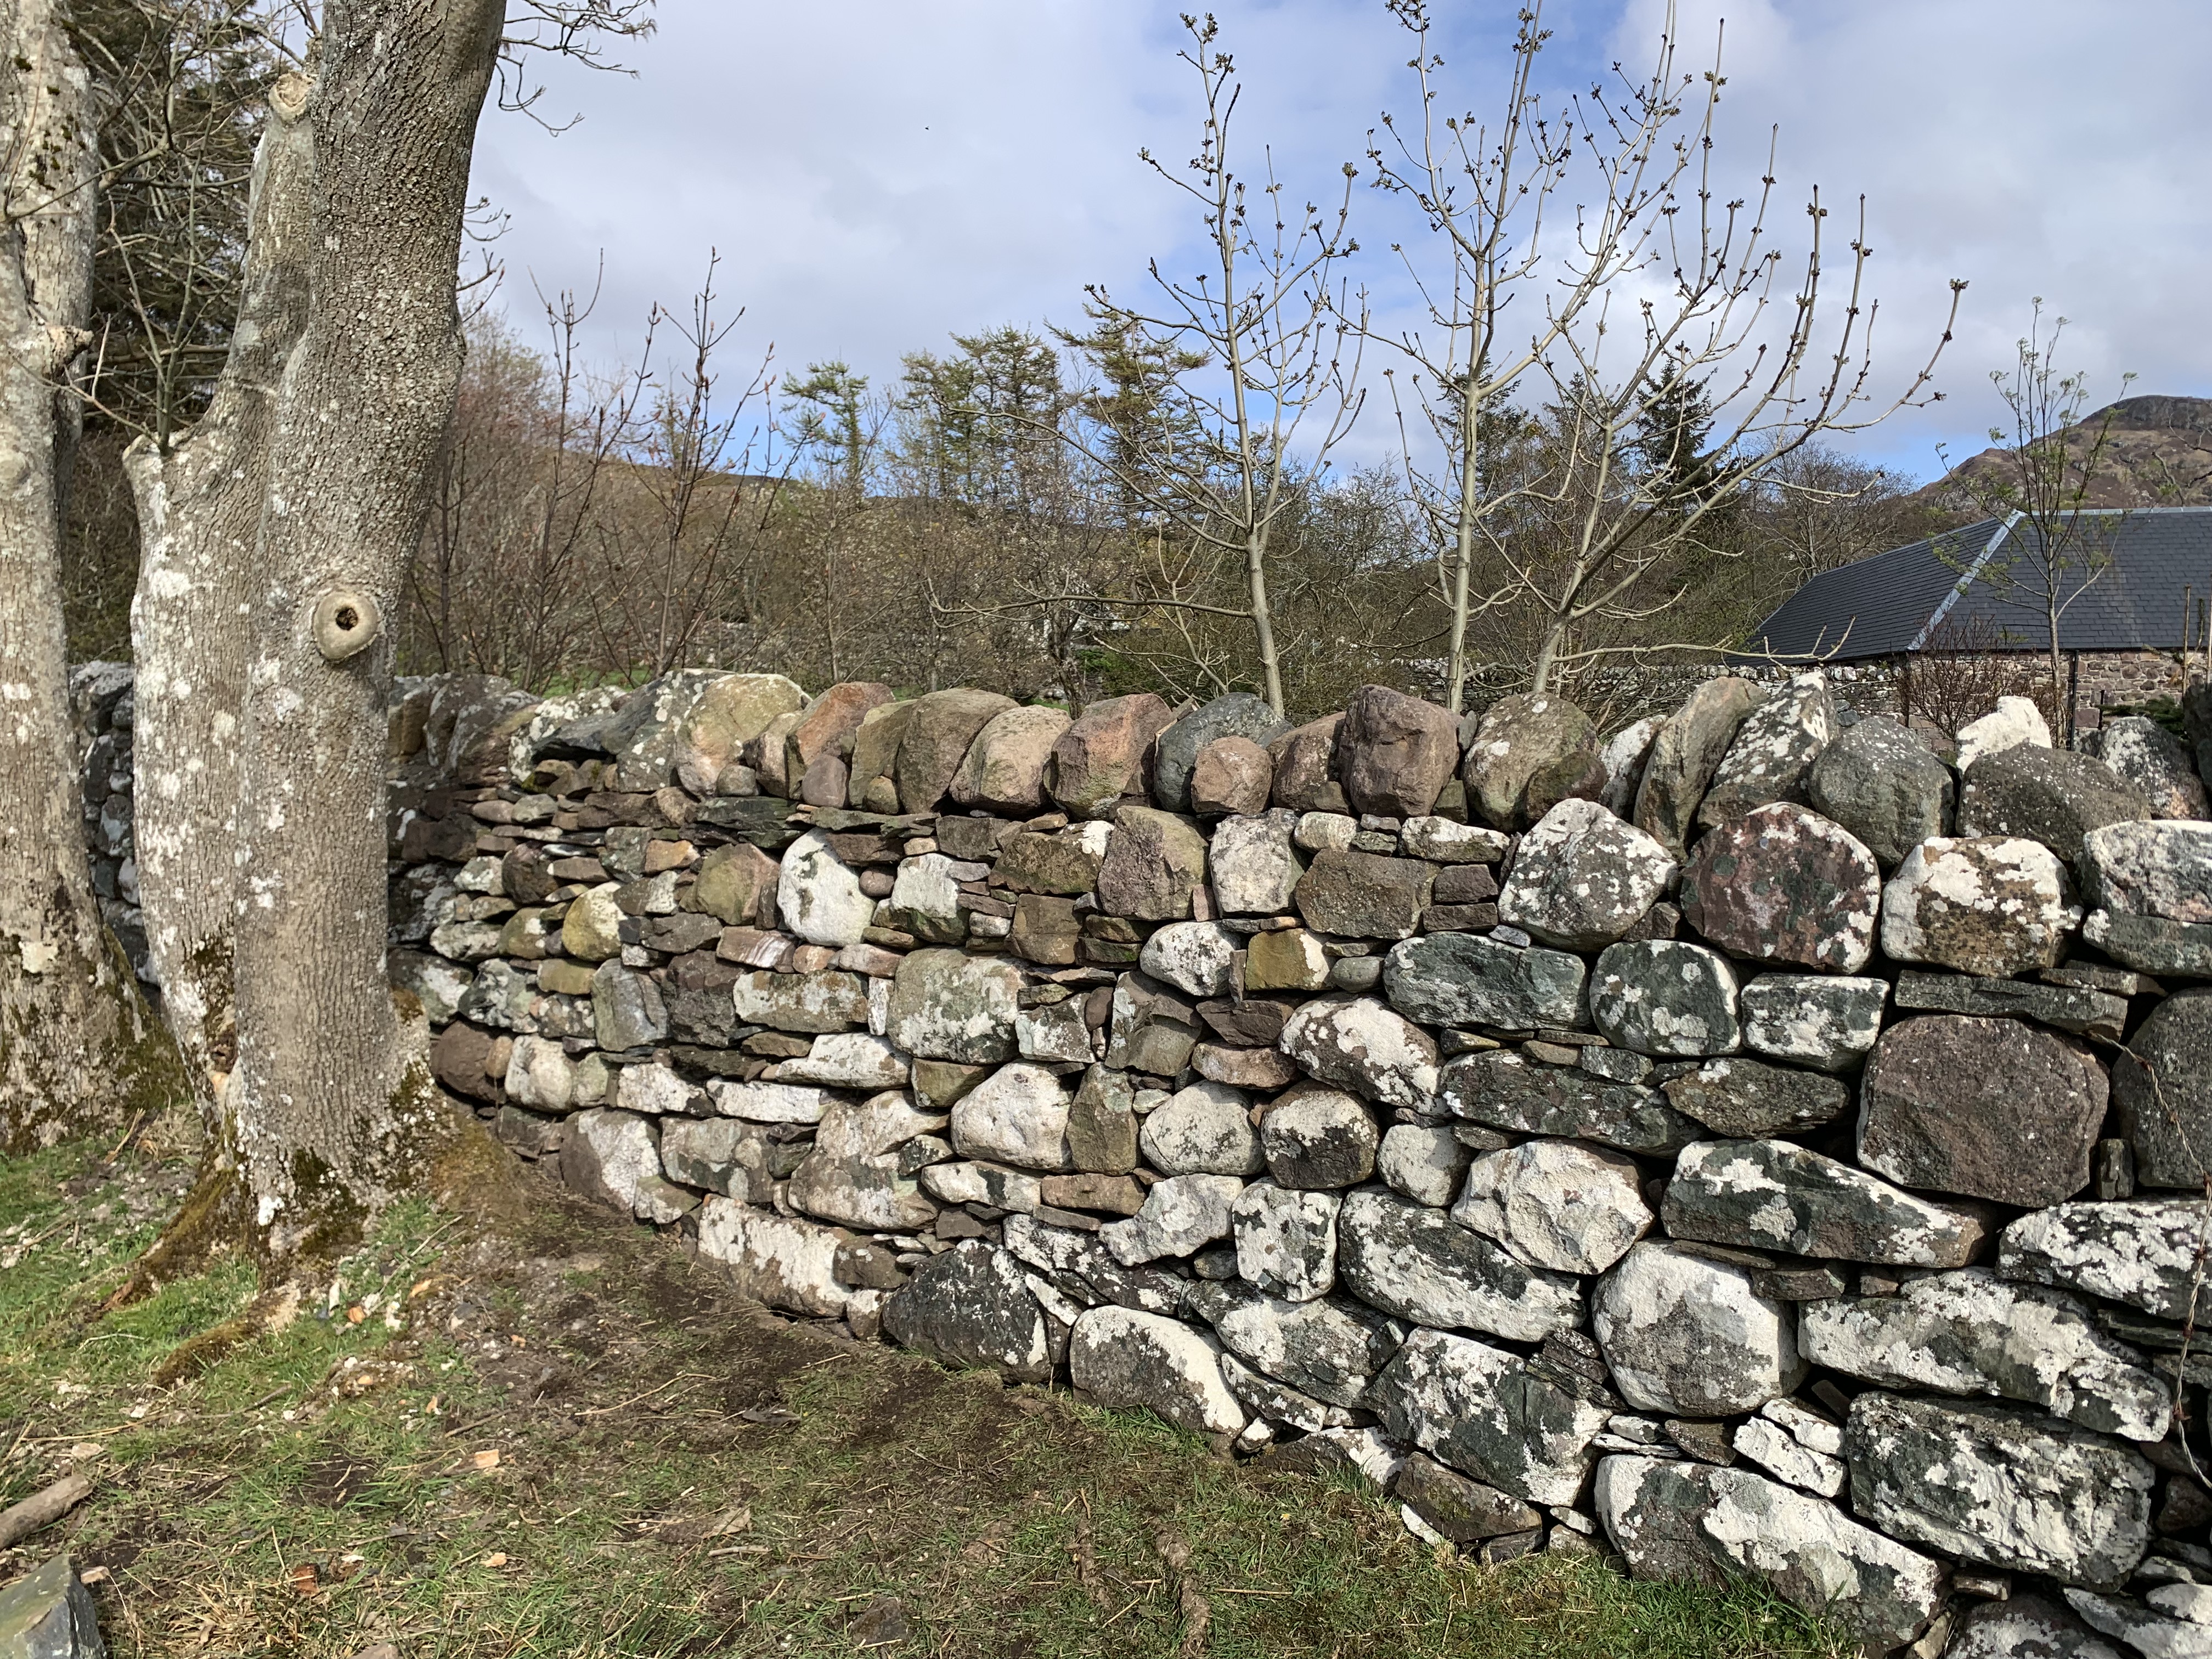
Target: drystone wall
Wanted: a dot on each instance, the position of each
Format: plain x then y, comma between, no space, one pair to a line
1750,1143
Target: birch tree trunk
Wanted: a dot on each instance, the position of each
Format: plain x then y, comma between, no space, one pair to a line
77,1048
199,514
333,1109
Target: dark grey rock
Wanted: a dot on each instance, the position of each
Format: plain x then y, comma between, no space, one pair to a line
2163,1088
2162,869
2053,796
1582,878
971,1306
1505,1091
1666,998
1518,741
2025,1627
2001,1487
1464,978
1465,1511
48,1614
1775,1195
1882,785
1750,1100
1357,895
1318,1138
1239,715
1772,750
2084,1012
1986,1108
1118,1358
1329,1347
1828,1022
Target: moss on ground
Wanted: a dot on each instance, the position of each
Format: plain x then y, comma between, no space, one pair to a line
526,1428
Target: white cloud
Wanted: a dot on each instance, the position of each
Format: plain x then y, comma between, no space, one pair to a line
879,174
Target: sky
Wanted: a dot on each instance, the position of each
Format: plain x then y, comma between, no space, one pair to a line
878,174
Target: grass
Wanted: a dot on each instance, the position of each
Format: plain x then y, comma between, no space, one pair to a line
525,1428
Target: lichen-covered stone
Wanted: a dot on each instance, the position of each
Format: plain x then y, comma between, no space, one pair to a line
1828,1022
1779,883
1180,1214
1993,906
1971,1333
1155,862
1464,978
1118,1356
1775,1195
1883,786
2079,1009
1193,956
1286,1240
1102,1123
1772,750
2014,722
776,1260
1318,1139
1556,1204
1484,1411
1685,754
1066,863
2163,1087
948,1005
1304,762
1462,1510
1714,1527
1330,1348
2153,1635
2143,1252
1420,1264
1255,867
1749,1100
1204,1129
1426,1162
1238,714
1017,1115
1361,1045
627,1009
1988,1108
855,1175
1357,895
2000,1486
1519,738
1582,878
2145,756
2161,869
1506,1090
1666,998
971,1306
2053,796
1687,1336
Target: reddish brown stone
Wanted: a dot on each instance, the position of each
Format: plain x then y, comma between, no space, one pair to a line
1104,755
1394,753
828,724
1306,768
1232,774
1782,884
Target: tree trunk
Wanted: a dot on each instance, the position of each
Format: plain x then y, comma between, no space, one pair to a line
199,515
332,1102
1263,617
77,1047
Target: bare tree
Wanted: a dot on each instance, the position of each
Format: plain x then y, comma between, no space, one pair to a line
76,1043
2056,546
1695,280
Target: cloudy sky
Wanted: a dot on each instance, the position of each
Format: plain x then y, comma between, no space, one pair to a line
877,173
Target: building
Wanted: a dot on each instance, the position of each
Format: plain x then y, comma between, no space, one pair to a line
2137,631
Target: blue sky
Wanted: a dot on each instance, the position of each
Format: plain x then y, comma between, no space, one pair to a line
877,173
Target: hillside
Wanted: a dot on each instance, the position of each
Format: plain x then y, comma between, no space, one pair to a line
2158,452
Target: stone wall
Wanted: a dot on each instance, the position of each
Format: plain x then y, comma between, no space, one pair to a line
1743,1144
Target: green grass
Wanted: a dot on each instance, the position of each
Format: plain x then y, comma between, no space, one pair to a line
679,1473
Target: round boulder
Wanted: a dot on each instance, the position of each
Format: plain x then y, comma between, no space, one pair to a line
1690,1337
1315,1138
1782,884
1992,906
1582,878
1666,997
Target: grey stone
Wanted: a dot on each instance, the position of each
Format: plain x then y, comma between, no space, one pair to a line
1418,1263
1460,1510
1066,862
1361,1045
1017,1115
1782,1456
591,931
926,899
1080,1266
948,1005
1750,1100
2053,796
626,1012
808,1003
2173,949
1971,1333
971,1306
2142,1251
1256,866
540,1075
1711,1525
1485,1413
1988,1108
1154,863
818,897
2162,869
722,1155
1394,753
1121,1358
1204,1129
1993,907
1830,1023
1518,739
938,731
1102,1123
1180,1214
976,1182
1464,978
847,1059
1781,884
2143,755
2080,1010
1582,878
1505,1091
1286,1240
48,1614
1004,769
2162,1086
1666,998
1238,714
1151,1030
1623,756
1355,895
855,1175
2014,722
2145,1633
776,1260
1685,754
1442,840
1772,750
1424,1163
439,985
1317,1138
656,1090
1775,1195
768,1102
2025,1627
2000,1486
1883,786
1280,1403
1690,1337
1556,1204
615,1158
1328,1348
1193,956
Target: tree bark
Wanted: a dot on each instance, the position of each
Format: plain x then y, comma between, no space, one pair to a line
333,1104
78,1049
199,513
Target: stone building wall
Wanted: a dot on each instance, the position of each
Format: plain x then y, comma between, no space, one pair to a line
1744,1143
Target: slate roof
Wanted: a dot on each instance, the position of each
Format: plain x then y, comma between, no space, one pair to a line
1913,597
